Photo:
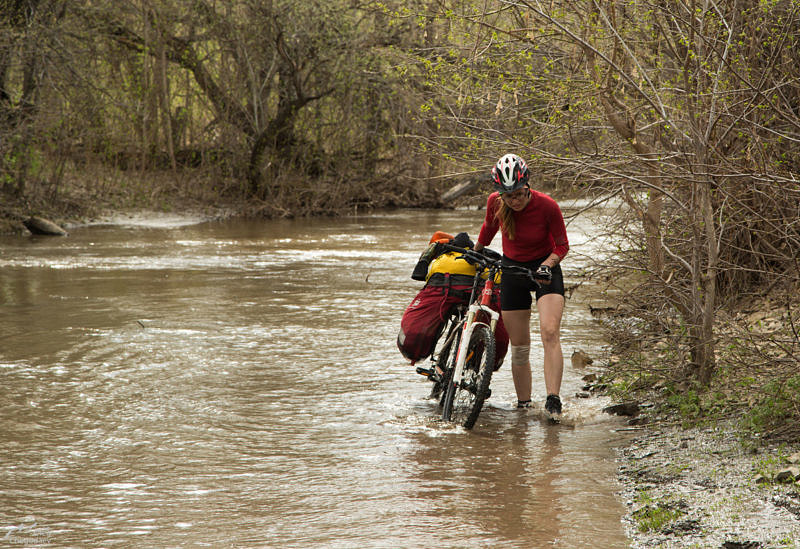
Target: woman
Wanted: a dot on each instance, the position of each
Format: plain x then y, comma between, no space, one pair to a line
535,237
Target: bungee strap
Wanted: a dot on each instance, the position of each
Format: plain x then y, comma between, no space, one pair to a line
447,279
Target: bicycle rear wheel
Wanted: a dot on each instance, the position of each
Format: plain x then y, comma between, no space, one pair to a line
447,362
464,399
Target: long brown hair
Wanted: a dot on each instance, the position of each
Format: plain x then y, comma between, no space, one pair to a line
505,216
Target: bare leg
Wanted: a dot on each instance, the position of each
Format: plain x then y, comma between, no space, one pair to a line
517,325
551,308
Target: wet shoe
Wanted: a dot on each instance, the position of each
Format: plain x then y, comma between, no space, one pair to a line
523,404
552,408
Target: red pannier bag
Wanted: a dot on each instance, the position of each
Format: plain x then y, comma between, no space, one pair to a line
423,320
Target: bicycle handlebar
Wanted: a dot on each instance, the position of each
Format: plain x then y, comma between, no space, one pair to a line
477,258
471,256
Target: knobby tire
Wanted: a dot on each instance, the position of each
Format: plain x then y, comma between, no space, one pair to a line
446,359
448,366
464,400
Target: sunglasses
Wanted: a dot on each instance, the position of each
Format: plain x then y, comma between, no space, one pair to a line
516,195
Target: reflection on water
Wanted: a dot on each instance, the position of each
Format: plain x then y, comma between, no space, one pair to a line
237,384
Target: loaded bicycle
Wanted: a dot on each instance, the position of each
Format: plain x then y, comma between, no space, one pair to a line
464,357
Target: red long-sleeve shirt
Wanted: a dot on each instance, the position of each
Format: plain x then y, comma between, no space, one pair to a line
539,229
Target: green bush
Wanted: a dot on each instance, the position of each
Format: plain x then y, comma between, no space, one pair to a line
654,515
777,404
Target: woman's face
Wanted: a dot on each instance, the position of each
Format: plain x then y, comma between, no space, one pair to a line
518,199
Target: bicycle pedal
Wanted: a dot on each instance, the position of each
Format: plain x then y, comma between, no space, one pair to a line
427,372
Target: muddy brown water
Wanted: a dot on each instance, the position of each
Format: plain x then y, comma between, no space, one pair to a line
237,384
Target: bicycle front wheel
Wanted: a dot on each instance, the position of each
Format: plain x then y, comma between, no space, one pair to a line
464,399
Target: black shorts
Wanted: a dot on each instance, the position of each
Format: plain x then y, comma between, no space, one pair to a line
515,290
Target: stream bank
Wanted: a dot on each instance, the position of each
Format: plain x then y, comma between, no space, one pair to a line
715,466
701,487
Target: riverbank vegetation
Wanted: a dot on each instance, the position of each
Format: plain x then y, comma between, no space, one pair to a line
689,112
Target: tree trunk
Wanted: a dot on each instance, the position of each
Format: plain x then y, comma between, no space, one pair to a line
254,171
278,136
708,364
164,102
5,58
30,81
652,231
625,126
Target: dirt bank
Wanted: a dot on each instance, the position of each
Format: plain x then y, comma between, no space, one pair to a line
100,193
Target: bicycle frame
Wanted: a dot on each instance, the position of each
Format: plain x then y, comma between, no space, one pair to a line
472,319
451,333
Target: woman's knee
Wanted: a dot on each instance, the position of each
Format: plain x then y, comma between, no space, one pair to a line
520,355
551,308
551,335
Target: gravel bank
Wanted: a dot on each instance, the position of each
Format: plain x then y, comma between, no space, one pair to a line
701,488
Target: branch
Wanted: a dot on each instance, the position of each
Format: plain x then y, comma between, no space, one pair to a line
181,52
657,106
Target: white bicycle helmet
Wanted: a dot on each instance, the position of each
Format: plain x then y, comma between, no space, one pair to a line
510,173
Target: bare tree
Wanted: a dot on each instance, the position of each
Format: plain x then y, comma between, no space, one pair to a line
688,110
25,37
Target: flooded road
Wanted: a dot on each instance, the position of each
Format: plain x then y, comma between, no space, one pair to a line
237,384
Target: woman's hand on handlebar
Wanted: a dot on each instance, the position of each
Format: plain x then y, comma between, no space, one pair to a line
491,254
475,257
544,273
486,252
